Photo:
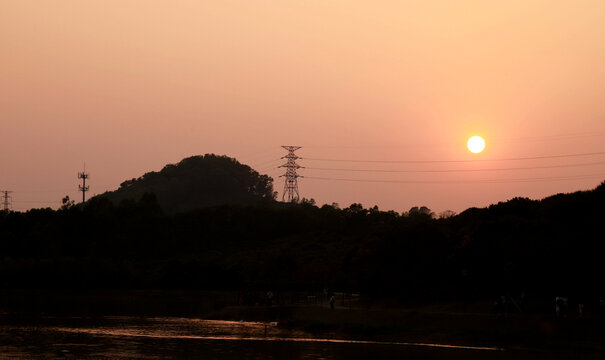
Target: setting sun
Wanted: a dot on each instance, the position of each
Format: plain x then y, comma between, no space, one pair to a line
476,144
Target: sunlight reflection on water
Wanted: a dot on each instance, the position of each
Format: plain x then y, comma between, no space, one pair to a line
123,338
235,333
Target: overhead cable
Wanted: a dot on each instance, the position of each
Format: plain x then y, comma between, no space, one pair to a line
457,161
486,181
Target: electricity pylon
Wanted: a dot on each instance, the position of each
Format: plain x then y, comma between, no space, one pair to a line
6,200
291,184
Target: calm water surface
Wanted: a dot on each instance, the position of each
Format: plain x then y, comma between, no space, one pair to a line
181,338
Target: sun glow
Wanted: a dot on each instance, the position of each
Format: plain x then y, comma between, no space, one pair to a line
476,144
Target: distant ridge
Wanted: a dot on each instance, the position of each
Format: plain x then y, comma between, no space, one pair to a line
199,181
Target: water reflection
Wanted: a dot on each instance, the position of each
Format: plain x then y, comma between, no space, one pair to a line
177,338
248,334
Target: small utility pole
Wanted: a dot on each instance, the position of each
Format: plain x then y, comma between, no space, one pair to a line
83,188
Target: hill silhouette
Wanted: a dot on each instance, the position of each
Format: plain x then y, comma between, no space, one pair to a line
199,181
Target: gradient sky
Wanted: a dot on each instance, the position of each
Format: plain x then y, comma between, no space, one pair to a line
129,86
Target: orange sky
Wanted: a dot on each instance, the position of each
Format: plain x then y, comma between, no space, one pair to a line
129,86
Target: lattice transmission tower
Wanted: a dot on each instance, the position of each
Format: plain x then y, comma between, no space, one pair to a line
83,188
6,200
291,184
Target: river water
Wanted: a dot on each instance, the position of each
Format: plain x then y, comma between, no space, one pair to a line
120,338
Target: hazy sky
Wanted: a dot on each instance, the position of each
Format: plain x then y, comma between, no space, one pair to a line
129,86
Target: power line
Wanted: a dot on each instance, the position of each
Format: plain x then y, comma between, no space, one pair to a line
266,169
42,191
520,139
457,161
486,181
38,201
266,162
524,139
459,170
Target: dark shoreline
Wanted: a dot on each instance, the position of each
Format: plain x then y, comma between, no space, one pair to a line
511,331
425,324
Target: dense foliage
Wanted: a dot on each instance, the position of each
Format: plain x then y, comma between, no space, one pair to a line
551,246
199,181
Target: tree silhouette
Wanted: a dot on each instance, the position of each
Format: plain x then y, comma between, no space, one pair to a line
199,181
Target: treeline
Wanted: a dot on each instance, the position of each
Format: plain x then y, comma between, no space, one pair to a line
552,246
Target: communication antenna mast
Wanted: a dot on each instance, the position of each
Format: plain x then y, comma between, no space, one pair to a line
291,184
83,188
6,200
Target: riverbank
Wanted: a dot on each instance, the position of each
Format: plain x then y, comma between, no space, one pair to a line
447,323
512,331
